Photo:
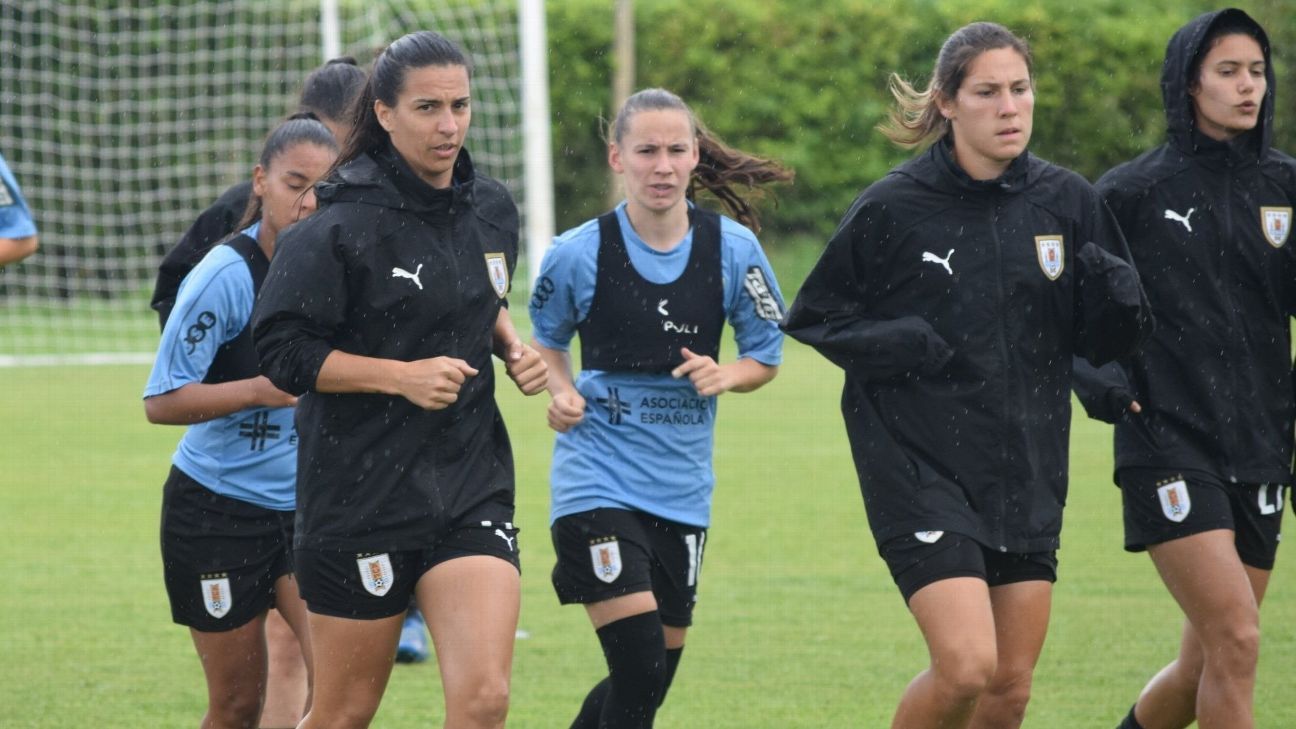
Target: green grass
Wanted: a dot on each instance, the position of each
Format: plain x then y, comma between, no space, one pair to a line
798,623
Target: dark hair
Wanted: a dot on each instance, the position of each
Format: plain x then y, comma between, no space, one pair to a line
916,120
1230,22
719,165
415,50
329,90
300,128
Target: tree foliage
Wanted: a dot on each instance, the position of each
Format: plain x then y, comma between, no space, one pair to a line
806,83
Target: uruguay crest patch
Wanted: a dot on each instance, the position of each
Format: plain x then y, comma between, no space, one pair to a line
606,560
1050,252
497,269
1276,223
1175,503
217,598
376,574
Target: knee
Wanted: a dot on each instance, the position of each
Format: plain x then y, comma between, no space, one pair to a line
965,676
485,706
1235,647
1010,692
240,709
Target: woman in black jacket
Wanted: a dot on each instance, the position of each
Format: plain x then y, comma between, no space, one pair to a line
954,294
1204,410
385,313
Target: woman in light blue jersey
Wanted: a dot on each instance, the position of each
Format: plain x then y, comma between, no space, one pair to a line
649,287
227,509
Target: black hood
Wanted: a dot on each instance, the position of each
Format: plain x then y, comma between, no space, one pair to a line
383,178
1185,46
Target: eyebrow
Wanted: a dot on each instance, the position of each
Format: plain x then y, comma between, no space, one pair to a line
438,101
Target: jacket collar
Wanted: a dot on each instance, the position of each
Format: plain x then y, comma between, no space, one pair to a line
382,177
939,160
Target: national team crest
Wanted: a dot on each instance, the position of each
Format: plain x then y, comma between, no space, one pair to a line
1175,503
376,574
1051,255
1276,223
606,559
497,268
217,598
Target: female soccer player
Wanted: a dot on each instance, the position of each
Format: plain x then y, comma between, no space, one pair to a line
17,229
953,294
227,510
327,93
384,310
649,286
1204,458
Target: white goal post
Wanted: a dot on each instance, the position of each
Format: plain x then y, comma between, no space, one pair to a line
122,121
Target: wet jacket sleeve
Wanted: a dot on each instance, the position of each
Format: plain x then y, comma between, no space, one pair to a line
1105,392
830,312
301,307
1113,315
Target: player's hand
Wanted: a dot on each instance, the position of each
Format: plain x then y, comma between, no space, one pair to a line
525,367
708,378
566,410
266,395
433,384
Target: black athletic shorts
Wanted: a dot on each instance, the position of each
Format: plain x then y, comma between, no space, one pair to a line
919,559
374,585
607,553
220,556
1162,505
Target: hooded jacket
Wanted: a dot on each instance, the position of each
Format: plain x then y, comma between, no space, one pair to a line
392,268
1207,224
955,306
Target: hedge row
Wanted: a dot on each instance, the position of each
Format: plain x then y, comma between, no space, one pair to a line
806,83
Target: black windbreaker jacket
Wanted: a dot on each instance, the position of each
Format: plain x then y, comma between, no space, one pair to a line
210,228
955,306
391,268
1214,382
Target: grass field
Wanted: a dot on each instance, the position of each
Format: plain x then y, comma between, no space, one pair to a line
798,623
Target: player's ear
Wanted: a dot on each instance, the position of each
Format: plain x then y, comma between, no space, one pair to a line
259,181
384,114
614,158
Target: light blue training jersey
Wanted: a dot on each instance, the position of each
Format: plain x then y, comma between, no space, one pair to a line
15,217
250,455
646,440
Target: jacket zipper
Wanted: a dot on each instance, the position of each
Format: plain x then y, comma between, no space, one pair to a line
1229,244
1001,502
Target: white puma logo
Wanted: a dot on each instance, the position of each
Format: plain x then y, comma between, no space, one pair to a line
933,258
1172,215
399,272
661,307
500,533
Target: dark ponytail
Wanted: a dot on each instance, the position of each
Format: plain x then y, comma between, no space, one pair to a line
300,128
719,167
329,90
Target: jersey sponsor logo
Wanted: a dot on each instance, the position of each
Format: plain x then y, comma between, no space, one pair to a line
674,410
1269,497
605,557
929,257
617,408
1172,215
1051,255
6,199
1175,502
198,330
257,429
544,288
376,573
929,537
497,268
762,296
399,272
1276,223
661,307
217,598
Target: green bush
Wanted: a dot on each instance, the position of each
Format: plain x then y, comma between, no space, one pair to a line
806,83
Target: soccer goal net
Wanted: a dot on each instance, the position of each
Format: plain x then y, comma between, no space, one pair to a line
122,121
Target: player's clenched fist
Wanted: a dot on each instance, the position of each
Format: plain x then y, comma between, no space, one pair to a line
433,384
566,410
525,367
